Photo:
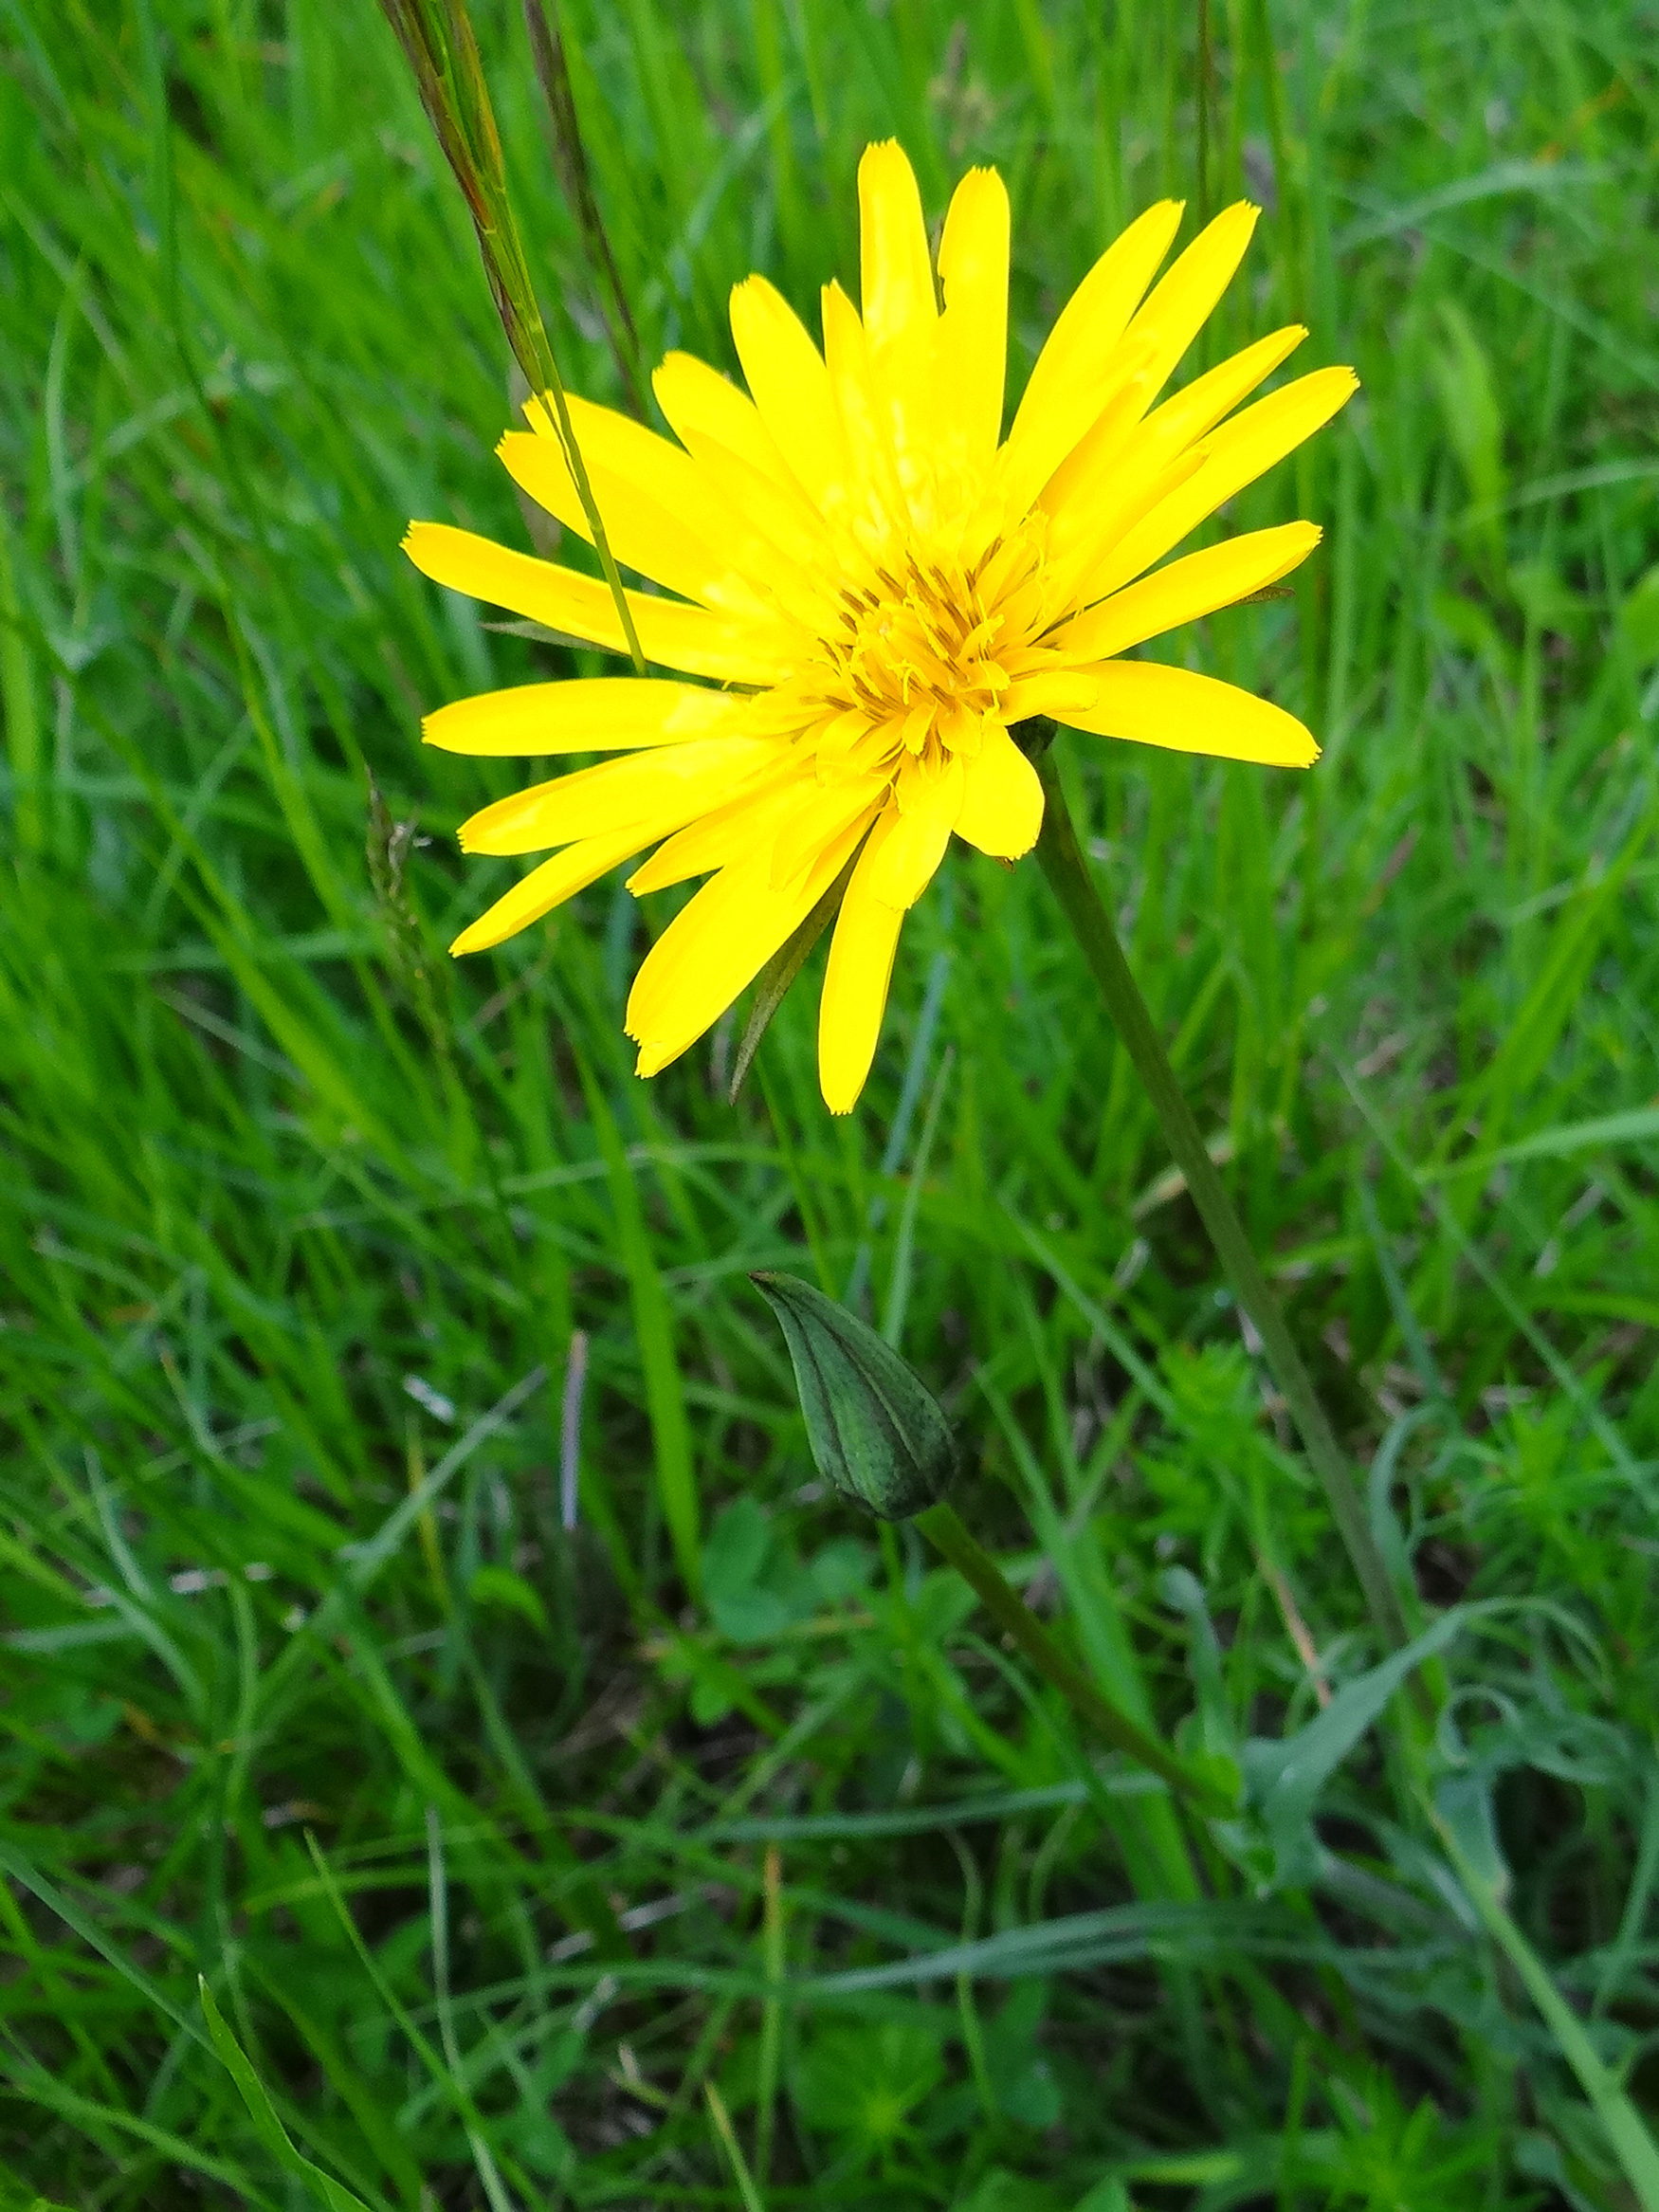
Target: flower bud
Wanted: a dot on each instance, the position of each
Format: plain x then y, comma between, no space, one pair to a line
875,1432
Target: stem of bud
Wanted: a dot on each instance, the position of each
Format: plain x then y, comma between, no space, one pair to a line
943,1528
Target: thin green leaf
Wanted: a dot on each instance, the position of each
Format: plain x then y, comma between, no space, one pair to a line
333,2195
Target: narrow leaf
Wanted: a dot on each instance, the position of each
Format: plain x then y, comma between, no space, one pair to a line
1283,1778
260,2111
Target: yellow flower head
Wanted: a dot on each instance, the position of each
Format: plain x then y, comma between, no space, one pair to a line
883,586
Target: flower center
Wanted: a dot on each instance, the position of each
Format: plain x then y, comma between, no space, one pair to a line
913,651
914,663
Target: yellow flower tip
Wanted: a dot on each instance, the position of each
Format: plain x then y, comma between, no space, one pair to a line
425,544
1298,540
880,154
453,728
1344,381
840,1088
653,1058
1236,222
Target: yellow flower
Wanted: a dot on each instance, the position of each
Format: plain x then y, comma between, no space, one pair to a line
882,587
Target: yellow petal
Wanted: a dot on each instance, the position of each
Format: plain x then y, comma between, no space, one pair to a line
817,819
783,517
1184,300
599,714
1151,704
783,543
1072,379
728,833
1046,690
606,436
900,319
1002,800
700,404
971,347
717,945
664,787
1104,502
663,512
640,470
865,422
675,636
1125,465
896,277
1233,456
1091,468
650,529
1199,406
547,887
791,384
1184,591
911,854
856,979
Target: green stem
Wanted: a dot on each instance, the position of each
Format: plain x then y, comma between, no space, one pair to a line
1063,863
17,706
575,178
553,388
728,2136
1203,106
943,1529
442,50
1626,2129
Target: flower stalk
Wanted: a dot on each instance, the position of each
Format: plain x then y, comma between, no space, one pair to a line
569,158
1063,863
438,43
942,1527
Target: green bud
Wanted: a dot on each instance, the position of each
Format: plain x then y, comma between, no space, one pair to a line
876,1433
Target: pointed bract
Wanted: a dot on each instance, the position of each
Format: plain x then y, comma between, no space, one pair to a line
876,1432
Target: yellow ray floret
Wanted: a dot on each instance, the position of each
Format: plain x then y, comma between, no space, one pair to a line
884,590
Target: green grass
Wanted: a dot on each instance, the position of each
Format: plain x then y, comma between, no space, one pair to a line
499,1849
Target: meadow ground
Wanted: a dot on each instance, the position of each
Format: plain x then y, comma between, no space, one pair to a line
499,1846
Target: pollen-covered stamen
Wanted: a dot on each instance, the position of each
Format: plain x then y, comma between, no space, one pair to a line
916,659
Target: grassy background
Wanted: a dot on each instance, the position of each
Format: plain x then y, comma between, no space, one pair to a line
493,1842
